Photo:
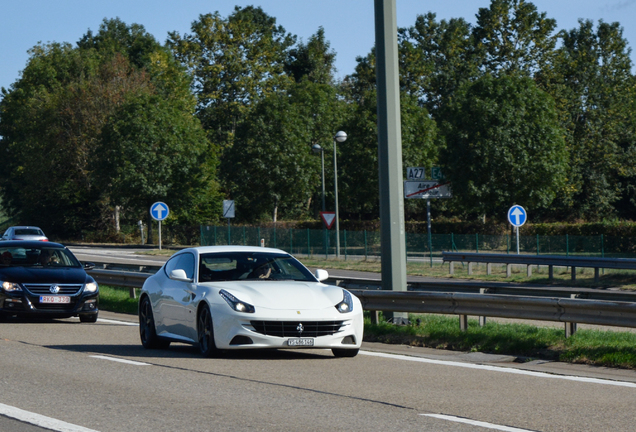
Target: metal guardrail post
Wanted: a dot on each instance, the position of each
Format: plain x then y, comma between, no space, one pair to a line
488,269
451,268
463,323
570,327
551,273
529,271
470,268
508,270
482,318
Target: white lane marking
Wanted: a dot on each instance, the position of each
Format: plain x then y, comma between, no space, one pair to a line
40,420
476,423
128,323
503,369
115,359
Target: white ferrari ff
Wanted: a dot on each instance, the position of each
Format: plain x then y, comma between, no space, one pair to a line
232,297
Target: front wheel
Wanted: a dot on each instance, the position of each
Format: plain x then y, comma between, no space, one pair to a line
344,352
205,332
147,330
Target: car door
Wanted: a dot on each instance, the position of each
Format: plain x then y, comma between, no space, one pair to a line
178,295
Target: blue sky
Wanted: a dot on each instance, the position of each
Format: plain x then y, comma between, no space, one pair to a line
348,24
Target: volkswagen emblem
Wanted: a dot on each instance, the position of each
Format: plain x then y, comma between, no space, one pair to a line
300,329
54,289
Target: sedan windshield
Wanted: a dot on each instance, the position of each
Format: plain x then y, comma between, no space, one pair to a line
37,257
236,266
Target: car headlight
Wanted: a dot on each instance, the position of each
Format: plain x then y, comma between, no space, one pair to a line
346,305
90,287
10,286
236,304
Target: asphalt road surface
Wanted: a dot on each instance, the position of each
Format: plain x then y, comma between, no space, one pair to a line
67,376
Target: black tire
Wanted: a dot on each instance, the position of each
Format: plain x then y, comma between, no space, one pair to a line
205,332
345,352
88,318
147,331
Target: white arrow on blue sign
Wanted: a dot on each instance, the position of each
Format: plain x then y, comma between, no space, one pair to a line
159,211
517,215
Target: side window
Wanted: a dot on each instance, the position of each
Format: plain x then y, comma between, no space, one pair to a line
171,265
183,261
186,262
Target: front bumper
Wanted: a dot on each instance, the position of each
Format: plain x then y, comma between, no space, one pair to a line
247,331
28,304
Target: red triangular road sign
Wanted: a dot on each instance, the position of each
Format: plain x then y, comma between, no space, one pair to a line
328,218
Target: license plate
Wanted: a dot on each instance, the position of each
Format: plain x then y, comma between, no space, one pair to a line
55,299
300,342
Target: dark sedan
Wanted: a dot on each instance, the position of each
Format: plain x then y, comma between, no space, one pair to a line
45,279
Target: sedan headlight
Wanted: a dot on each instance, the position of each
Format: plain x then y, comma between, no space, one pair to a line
90,287
10,286
235,303
346,305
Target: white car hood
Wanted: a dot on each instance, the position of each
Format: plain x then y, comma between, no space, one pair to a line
285,294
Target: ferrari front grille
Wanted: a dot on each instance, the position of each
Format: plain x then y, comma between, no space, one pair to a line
297,328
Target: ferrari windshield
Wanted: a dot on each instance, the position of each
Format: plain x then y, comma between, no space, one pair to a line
236,266
49,257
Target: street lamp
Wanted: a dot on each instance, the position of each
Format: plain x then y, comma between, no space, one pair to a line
316,148
339,137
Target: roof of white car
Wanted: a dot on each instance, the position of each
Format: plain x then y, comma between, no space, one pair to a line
212,249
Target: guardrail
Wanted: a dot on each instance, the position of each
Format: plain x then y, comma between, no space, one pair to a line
570,306
546,260
568,311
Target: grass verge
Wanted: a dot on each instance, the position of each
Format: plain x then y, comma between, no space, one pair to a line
526,342
117,299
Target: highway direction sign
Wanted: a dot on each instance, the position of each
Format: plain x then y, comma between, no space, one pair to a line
427,189
159,211
415,173
517,215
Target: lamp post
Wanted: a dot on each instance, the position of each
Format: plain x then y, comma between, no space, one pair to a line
338,138
316,148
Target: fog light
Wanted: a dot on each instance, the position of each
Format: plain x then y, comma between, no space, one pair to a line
12,303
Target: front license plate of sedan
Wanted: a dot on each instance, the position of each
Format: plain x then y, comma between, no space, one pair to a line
55,299
300,342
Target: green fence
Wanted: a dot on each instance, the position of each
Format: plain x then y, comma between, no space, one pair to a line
364,244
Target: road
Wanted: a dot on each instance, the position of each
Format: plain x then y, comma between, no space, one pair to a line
70,376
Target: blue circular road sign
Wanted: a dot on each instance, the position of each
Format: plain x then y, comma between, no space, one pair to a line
159,211
517,215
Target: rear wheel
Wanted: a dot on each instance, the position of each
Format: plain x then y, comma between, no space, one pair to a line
88,318
205,332
344,352
147,331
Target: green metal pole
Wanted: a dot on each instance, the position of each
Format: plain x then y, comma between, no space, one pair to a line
365,245
214,235
308,244
291,241
477,242
244,243
345,243
567,245
258,242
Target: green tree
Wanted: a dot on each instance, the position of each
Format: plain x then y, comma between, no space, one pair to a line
436,58
593,86
53,122
313,61
504,146
235,62
271,168
512,37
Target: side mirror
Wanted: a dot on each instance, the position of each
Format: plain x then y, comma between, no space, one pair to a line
179,275
322,275
89,266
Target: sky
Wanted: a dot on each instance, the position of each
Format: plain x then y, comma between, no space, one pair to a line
348,24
